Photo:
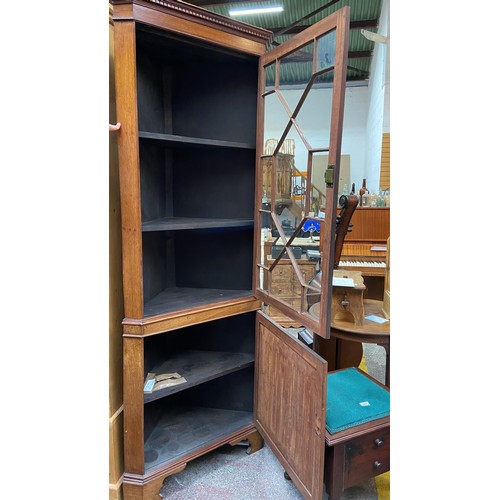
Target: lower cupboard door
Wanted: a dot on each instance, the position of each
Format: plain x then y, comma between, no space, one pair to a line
290,398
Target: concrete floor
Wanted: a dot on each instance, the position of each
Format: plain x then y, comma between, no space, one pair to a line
228,473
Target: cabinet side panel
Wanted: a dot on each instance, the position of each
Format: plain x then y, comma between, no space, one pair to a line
115,254
115,300
128,155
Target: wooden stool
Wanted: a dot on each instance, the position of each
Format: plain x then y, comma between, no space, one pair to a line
347,301
358,453
338,349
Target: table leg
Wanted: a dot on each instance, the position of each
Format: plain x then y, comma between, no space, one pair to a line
337,352
387,348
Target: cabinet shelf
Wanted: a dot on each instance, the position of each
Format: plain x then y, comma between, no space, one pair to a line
172,140
183,430
182,223
198,367
176,299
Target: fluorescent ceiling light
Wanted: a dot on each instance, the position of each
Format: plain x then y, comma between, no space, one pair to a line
374,37
256,10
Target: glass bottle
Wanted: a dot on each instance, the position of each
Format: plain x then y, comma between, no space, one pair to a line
364,199
363,191
380,199
387,198
353,189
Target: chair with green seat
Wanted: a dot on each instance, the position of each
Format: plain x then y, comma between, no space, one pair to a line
358,430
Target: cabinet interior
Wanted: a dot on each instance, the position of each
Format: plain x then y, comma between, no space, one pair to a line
216,359
197,126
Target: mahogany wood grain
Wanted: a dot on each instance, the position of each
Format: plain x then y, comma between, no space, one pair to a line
370,224
255,442
116,448
366,457
189,316
133,382
290,399
115,262
137,488
128,155
166,169
116,466
199,23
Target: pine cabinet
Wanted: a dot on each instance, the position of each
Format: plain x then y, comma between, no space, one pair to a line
191,94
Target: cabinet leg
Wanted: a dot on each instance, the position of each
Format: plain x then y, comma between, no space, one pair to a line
255,442
334,472
149,491
137,489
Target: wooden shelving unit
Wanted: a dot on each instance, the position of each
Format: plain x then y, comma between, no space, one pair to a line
186,84
190,90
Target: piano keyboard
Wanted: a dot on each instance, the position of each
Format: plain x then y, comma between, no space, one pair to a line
367,267
358,263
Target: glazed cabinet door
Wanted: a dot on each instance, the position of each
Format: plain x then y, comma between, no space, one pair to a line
296,201
289,406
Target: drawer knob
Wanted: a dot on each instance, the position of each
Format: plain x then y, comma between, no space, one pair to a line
379,442
377,464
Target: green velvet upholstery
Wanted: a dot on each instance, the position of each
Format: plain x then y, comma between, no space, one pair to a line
353,399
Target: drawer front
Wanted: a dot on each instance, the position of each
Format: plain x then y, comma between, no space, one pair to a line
366,457
282,289
282,273
308,272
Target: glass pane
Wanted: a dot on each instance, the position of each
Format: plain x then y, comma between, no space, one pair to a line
289,202
295,71
275,121
297,144
290,187
315,113
294,193
318,185
267,225
325,56
270,77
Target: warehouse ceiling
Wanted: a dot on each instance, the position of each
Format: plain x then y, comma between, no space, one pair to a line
297,15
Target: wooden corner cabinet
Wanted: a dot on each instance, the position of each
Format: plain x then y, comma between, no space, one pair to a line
192,92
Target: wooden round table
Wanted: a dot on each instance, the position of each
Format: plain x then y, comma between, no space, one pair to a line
344,348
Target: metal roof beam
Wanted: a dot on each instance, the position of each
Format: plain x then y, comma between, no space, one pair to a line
353,25
210,3
313,13
306,56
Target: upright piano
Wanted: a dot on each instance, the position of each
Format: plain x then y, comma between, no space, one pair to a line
365,246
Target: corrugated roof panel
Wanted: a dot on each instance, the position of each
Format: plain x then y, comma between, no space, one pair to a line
295,10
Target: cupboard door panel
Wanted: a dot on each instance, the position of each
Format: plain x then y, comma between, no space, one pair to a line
290,398
289,205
